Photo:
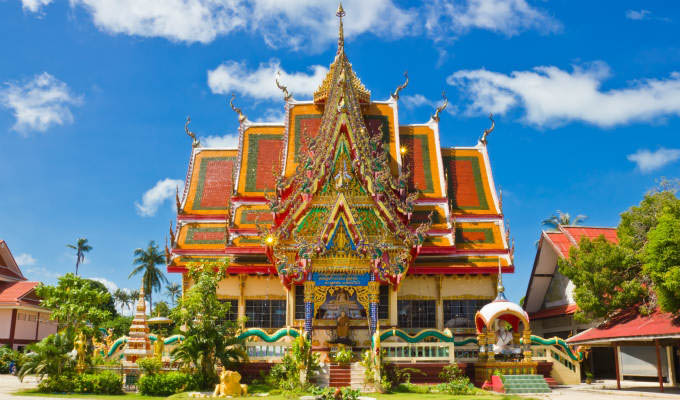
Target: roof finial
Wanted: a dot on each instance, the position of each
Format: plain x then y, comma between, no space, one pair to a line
284,89
401,87
237,110
487,131
499,288
195,142
441,108
341,35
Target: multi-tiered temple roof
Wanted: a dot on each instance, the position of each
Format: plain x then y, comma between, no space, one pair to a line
271,203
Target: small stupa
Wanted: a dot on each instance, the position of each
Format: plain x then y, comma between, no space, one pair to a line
138,345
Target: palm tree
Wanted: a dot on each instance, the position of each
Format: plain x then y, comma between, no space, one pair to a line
173,290
81,247
146,261
132,298
48,357
563,219
120,297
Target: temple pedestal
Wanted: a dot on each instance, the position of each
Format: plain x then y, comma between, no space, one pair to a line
485,369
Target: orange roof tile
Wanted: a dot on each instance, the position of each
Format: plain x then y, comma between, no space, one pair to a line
12,292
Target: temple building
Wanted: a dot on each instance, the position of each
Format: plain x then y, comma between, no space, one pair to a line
343,216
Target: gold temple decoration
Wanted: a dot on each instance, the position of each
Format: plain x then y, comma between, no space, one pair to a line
321,292
373,292
286,96
441,108
241,116
321,94
401,87
488,131
194,141
309,291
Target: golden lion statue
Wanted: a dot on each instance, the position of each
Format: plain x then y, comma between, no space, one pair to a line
230,385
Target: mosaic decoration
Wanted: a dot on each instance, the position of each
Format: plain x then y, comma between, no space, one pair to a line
214,183
205,235
418,158
264,154
306,124
466,188
474,235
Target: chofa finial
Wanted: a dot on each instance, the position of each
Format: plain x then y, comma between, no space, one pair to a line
195,142
341,35
441,108
487,131
499,288
286,96
401,87
237,110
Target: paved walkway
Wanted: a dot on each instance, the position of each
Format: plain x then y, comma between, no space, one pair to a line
10,384
607,390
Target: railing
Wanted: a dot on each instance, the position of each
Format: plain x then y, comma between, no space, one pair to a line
564,370
264,351
418,352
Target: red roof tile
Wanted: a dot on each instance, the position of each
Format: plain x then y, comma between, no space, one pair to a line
554,311
12,292
569,235
631,324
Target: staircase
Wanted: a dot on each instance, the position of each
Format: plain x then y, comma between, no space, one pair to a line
552,383
516,384
340,375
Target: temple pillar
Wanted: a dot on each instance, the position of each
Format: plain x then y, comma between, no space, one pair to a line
491,341
373,299
309,307
527,344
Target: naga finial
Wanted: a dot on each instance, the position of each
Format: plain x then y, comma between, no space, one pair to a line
237,110
441,108
286,96
395,95
487,131
195,142
341,35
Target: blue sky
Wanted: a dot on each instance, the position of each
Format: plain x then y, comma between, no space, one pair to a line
94,93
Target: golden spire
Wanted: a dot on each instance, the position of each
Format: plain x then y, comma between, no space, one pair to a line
341,35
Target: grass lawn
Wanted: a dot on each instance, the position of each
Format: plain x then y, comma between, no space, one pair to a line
185,396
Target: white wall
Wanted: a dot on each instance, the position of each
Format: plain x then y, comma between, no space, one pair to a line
5,323
641,361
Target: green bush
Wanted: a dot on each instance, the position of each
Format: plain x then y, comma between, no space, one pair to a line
149,366
343,356
166,384
8,355
105,382
455,382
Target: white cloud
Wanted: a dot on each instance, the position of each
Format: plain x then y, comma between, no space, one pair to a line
298,24
153,198
25,260
40,274
34,5
232,76
272,115
418,100
638,15
551,96
446,18
648,161
229,141
38,103
109,285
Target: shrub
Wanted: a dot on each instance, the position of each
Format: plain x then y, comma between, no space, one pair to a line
149,366
105,382
455,382
343,356
166,384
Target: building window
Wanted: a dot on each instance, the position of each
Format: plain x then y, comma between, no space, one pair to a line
461,313
417,313
265,313
384,302
299,302
232,315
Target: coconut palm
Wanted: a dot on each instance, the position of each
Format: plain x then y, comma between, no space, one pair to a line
81,247
132,298
563,219
173,290
146,261
121,298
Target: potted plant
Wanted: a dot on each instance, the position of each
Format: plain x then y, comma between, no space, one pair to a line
589,377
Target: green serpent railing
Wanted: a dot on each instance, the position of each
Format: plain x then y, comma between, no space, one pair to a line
269,338
555,341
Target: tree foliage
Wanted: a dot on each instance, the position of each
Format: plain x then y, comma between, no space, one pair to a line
49,356
562,218
146,261
81,247
75,302
642,270
210,335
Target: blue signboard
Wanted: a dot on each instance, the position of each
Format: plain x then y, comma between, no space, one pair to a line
322,279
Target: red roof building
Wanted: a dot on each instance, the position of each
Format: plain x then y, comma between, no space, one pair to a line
22,320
